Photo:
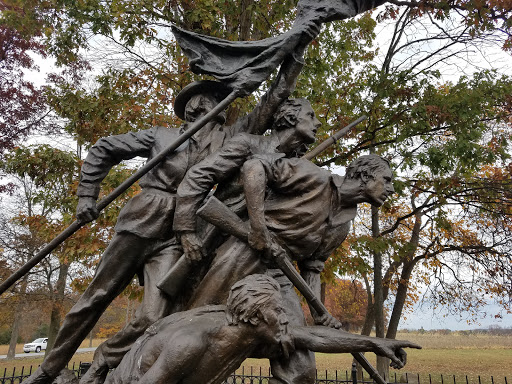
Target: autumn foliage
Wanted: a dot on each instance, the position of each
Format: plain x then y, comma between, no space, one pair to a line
22,104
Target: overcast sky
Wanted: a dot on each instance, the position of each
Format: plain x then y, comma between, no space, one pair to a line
428,319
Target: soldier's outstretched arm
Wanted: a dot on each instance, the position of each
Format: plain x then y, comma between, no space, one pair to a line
329,340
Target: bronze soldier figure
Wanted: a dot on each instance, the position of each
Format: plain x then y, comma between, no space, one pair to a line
205,345
307,211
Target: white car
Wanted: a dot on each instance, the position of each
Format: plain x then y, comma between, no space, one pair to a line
37,345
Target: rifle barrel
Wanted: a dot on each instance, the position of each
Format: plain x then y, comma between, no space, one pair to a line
333,139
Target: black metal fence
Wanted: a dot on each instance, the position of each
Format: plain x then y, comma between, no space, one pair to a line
260,376
18,375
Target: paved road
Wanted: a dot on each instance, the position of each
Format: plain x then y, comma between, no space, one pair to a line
33,354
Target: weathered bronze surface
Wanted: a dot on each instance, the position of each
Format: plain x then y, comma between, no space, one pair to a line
206,344
217,293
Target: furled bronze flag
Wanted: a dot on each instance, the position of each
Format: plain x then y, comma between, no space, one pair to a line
244,65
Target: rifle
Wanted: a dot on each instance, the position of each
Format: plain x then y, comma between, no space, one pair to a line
333,139
174,279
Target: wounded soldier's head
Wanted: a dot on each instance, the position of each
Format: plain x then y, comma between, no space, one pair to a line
254,299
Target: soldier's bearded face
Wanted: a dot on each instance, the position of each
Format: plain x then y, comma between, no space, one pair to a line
378,188
198,106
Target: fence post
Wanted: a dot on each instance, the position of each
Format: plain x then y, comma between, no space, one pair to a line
83,368
354,373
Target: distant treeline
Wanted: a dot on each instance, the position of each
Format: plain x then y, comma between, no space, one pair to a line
492,330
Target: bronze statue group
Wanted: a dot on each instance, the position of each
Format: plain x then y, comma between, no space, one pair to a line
229,299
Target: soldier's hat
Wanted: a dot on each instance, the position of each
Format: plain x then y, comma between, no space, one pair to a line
206,87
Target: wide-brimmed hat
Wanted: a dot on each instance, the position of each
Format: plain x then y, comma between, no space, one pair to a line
215,88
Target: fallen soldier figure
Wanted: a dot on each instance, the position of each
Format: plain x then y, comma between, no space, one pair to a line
205,345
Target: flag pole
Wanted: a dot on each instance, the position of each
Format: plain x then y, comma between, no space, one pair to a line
76,225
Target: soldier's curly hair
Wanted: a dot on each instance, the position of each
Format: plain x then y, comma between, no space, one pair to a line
248,295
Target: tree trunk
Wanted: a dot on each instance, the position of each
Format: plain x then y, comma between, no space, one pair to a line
15,330
401,295
369,320
408,266
17,318
246,20
382,362
58,300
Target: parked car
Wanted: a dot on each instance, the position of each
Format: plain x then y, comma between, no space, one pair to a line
37,345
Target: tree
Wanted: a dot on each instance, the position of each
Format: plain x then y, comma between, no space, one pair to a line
347,301
448,142
21,102
48,178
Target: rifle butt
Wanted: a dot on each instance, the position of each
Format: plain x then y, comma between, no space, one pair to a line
174,280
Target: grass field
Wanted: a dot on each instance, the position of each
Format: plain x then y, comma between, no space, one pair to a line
475,355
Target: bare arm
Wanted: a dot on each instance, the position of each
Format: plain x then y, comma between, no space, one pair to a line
328,340
255,183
